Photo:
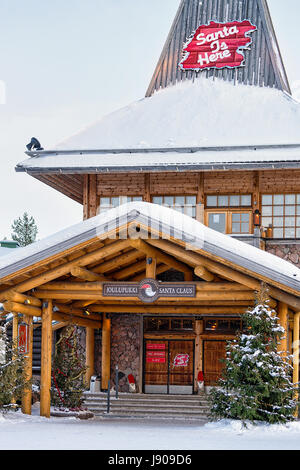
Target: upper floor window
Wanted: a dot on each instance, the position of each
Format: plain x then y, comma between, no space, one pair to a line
229,200
184,204
282,211
107,203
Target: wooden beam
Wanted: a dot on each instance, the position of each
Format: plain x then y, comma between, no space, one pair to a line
203,273
129,271
151,252
229,273
86,275
23,299
162,309
76,312
106,347
283,316
27,392
151,268
97,286
92,295
117,261
64,269
86,323
46,352
15,307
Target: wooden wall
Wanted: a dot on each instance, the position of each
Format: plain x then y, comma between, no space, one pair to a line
192,183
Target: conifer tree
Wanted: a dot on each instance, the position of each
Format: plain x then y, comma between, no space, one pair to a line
12,376
68,372
256,382
24,230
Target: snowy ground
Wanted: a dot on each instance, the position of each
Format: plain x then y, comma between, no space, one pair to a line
18,431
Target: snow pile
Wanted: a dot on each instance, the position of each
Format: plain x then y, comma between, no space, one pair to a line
204,113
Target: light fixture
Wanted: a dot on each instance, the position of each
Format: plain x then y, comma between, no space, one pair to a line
256,218
86,312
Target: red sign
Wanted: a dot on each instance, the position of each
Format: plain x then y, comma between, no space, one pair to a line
156,354
23,338
159,346
217,45
156,360
181,360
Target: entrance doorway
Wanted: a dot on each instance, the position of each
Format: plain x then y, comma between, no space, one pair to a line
168,366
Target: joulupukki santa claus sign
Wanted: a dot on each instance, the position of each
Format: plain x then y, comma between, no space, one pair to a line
217,45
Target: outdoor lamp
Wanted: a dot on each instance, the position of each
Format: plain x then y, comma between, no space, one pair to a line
256,220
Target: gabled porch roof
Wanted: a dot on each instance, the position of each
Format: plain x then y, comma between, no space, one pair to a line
71,266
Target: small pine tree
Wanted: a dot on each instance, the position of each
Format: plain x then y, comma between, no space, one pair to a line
68,372
12,376
256,383
24,230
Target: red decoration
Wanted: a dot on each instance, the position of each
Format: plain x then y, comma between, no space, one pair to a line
200,377
23,338
217,45
159,346
181,360
131,379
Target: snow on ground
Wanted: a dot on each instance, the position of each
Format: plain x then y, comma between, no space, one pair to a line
18,432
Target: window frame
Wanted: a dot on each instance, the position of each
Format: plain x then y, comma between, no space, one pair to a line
273,217
228,224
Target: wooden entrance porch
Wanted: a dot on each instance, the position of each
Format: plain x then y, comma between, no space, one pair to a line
67,283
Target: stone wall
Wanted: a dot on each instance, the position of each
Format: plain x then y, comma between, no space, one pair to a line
288,251
126,344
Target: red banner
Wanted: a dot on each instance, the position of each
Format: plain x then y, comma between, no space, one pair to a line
23,338
217,45
159,346
156,360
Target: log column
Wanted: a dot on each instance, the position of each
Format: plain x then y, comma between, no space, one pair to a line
151,268
283,321
46,359
106,340
296,356
90,353
27,392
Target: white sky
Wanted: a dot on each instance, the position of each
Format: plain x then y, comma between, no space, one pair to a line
66,63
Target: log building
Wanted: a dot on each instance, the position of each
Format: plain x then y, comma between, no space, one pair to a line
208,164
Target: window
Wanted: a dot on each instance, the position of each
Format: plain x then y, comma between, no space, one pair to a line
282,211
233,200
107,203
168,324
230,326
233,222
230,214
184,204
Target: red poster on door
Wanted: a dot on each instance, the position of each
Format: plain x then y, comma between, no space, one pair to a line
23,338
155,346
217,45
156,357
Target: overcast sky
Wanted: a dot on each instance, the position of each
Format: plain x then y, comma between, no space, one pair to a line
66,63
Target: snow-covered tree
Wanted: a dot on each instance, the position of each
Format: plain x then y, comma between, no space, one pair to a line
256,383
24,230
68,371
12,376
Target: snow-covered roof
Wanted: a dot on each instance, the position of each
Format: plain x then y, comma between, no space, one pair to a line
4,251
189,124
201,114
166,221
